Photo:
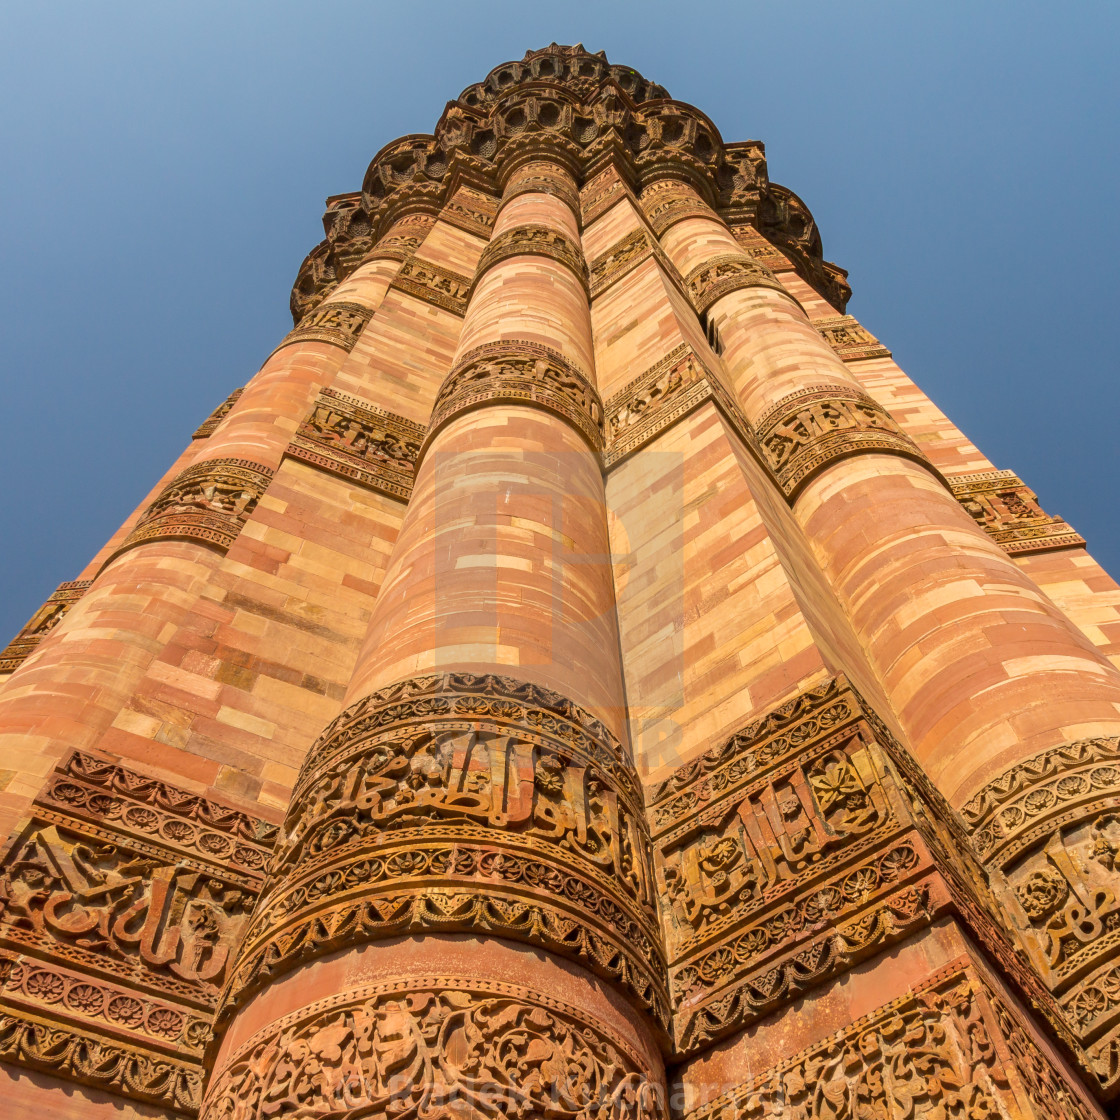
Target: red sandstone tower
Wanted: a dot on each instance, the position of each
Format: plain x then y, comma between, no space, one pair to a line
578,676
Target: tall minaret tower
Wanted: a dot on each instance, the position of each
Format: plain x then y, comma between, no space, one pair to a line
578,675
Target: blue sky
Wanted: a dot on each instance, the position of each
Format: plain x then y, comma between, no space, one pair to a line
165,165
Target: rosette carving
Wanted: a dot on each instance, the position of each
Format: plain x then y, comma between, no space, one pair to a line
525,373
439,1046
538,241
208,502
464,803
808,430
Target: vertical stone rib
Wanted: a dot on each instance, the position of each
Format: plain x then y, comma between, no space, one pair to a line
477,785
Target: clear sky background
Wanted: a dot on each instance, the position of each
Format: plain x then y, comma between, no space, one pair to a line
163,169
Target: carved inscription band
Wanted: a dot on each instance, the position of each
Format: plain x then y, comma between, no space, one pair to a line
338,324
208,502
122,901
41,623
807,431
437,1047
533,240
435,285
520,372
1049,831
361,442
543,179
464,803
623,257
670,201
208,426
729,272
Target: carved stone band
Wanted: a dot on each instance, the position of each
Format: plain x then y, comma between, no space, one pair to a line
730,272
439,1047
623,257
471,211
41,623
208,426
338,324
464,803
667,203
1049,831
1008,511
852,341
434,285
811,429
359,441
525,373
122,902
951,1039
531,240
543,180
209,502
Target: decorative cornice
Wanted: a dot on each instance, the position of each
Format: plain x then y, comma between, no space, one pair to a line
41,623
208,502
533,240
807,431
1008,511
338,324
584,114
361,442
433,284
851,341
725,273
524,373
207,427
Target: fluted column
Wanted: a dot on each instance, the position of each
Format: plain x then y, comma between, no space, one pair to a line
476,792
78,680
1006,705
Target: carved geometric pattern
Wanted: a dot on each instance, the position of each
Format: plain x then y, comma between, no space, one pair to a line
339,324
464,803
208,502
1008,511
724,273
471,211
41,623
1049,830
623,257
808,430
206,428
525,373
850,339
949,1048
434,285
359,441
122,901
438,1047
533,240
669,201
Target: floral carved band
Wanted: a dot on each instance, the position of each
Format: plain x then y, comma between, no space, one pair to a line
209,502
461,803
538,241
730,272
525,373
533,179
439,1046
811,429
338,324
1049,831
